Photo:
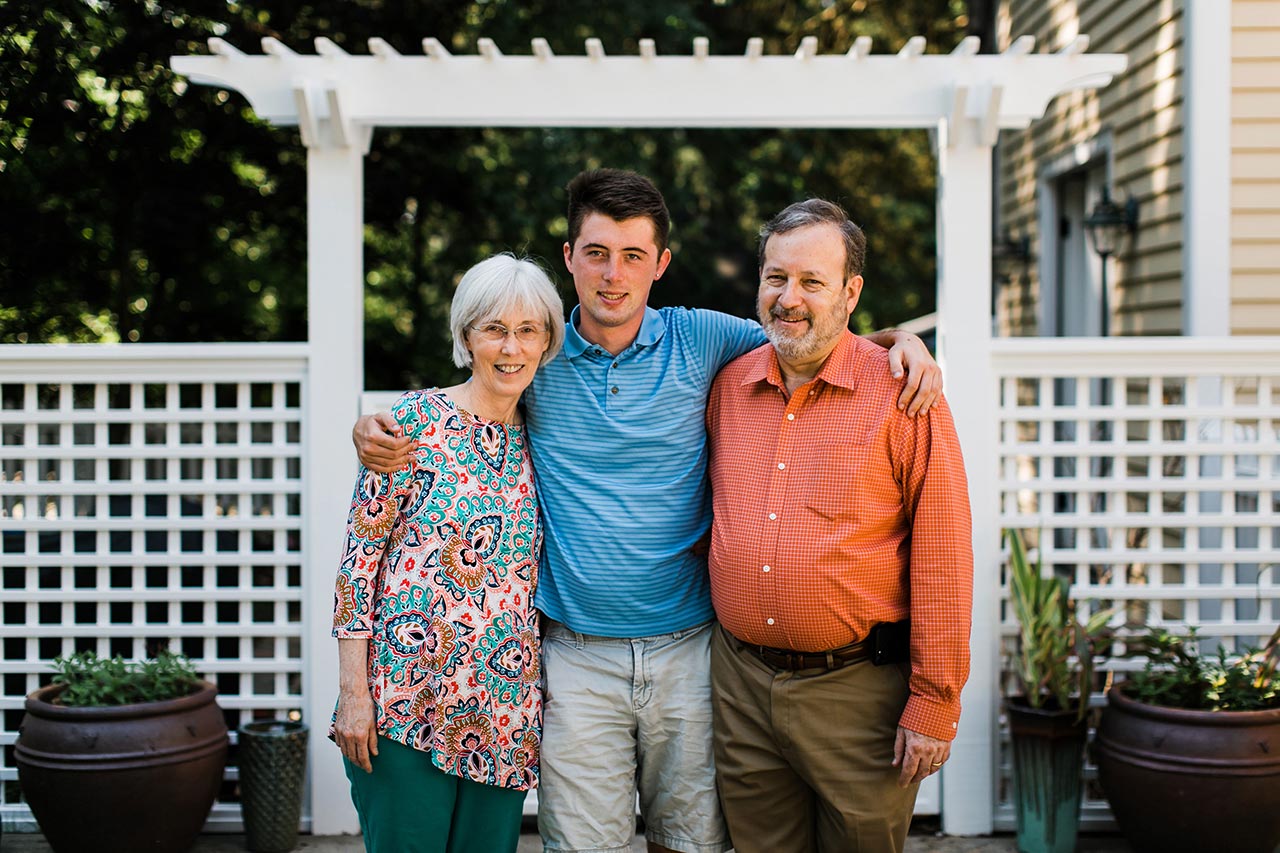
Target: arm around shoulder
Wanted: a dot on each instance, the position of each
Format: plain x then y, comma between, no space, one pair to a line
907,352
381,443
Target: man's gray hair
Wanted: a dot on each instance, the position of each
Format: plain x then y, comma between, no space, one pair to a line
500,283
817,211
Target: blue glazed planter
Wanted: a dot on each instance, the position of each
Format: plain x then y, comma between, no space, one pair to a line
1048,755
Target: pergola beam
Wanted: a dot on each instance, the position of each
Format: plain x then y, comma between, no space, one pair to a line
908,90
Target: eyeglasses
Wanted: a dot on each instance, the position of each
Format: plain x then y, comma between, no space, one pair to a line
496,333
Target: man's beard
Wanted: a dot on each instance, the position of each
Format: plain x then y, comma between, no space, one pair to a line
823,330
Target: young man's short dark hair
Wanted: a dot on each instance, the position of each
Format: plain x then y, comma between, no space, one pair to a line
619,195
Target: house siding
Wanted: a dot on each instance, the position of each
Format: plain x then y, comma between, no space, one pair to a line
1255,167
1142,112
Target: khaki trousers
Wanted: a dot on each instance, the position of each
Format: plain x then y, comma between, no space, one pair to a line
803,758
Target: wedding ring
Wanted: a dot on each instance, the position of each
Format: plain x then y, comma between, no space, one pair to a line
936,764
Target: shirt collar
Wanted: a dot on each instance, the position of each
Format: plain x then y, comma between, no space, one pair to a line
652,328
840,368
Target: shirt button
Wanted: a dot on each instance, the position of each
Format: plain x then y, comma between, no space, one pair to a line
773,516
790,416
769,621
811,393
615,364
613,390
782,466
766,568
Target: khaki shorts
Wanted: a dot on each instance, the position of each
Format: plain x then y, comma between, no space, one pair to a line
621,718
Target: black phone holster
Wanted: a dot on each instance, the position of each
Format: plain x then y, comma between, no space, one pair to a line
890,642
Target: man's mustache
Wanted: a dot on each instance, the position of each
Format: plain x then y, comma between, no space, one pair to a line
790,315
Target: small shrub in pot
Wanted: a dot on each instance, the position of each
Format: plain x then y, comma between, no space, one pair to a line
117,757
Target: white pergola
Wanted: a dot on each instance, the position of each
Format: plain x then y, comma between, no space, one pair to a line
337,99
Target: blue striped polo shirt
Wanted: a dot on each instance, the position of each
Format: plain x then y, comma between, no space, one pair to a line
619,448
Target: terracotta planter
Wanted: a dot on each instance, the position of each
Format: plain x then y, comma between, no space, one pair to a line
125,778
1048,755
1191,780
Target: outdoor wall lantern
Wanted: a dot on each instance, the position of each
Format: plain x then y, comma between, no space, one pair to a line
1010,254
1110,227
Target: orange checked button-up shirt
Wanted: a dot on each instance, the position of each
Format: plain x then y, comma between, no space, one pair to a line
835,511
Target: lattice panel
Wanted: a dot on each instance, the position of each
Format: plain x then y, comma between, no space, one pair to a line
1154,493
148,513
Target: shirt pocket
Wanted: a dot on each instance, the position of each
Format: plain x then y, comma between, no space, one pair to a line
851,494
831,492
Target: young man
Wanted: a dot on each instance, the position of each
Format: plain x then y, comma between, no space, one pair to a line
835,516
616,424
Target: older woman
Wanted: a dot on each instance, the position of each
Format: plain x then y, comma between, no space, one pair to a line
439,715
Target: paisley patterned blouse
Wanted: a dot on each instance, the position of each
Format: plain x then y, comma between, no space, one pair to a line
438,572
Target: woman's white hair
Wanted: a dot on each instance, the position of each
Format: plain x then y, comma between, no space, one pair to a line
498,284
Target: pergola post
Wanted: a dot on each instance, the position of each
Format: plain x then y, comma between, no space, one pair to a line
335,380
964,350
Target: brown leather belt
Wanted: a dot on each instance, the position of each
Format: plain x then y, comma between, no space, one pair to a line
833,659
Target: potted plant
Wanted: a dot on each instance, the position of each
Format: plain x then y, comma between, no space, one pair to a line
1188,750
115,756
1054,669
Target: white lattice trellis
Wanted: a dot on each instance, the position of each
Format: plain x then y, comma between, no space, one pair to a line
1145,472
151,496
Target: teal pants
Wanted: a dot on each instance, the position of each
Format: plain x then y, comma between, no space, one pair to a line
407,805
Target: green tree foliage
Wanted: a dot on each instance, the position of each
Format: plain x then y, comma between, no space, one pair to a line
141,208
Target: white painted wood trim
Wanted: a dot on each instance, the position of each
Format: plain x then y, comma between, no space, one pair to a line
964,351
1136,356
1206,216
335,326
910,89
138,362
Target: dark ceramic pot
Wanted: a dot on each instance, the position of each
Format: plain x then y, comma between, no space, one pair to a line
121,779
1048,755
273,771
1191,780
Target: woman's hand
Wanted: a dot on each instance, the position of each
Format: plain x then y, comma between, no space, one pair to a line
354,729
379,443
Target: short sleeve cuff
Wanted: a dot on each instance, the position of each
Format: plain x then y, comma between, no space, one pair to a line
352,632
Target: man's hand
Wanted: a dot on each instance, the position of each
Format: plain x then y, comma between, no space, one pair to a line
380,444
924,377
918,755
354,731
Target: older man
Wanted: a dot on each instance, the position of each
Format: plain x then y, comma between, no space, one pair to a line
841,534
